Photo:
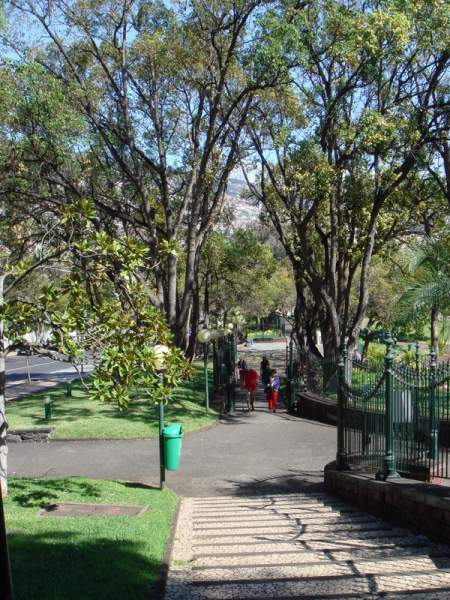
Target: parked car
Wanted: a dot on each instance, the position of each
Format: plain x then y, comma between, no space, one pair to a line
23,351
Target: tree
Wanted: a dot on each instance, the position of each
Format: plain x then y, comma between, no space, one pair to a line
238,272
339,145
428,289
97,302
165,93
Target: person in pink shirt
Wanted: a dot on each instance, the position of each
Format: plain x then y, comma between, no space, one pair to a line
273,389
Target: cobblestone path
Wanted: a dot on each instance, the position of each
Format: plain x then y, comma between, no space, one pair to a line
300,546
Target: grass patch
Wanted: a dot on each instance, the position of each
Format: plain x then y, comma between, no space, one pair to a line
80,417
93,557
267,333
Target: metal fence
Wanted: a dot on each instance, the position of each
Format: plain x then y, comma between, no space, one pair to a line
306,371
224,368
393,417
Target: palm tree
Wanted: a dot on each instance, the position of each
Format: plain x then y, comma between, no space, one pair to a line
429,288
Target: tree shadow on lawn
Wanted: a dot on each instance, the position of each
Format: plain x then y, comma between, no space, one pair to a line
42,492
48,566
140,410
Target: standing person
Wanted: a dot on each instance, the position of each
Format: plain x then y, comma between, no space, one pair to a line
264,371
250,381
274,388
242,366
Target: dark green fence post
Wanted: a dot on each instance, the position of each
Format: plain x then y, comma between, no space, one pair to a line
434,434
214,358
389,463
417,357
289,375
162,462
230,375
205,370
341,455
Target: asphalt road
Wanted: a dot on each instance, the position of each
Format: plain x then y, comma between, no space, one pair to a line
250,452
28,374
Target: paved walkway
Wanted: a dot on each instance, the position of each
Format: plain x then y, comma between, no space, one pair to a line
242,453
301,545
255,521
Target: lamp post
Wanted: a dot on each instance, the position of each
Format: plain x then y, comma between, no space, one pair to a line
160,365
204,336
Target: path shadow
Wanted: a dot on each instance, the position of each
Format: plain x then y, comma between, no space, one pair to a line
137,485
293,481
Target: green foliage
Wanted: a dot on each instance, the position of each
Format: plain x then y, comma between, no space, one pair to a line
83,417
255,282
376,353
347,179
65,558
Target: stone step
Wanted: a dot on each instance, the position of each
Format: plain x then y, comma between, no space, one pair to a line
258,500
316,510
288,547
292,531
266,497
267,516
311,565
363,561
408,567
283,523
274,572
384,545
334,586
257,553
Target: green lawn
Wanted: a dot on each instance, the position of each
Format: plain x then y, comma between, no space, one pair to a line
85,557
79,417
264,333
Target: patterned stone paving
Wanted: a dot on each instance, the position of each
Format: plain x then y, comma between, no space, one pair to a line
299,546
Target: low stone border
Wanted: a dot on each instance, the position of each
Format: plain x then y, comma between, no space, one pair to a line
28,435
313,406
261,340
422,506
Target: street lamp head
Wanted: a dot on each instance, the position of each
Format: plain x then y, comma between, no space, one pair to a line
204,335
160,351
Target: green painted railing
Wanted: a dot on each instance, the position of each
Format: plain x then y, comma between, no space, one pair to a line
224,369
393,418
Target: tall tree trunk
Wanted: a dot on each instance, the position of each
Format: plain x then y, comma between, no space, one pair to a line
195,317
171,308
433,327
365,350
3,424
206,302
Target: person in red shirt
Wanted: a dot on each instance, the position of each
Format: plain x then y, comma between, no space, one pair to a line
250,380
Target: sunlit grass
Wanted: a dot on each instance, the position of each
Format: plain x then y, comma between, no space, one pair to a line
85,557
80,417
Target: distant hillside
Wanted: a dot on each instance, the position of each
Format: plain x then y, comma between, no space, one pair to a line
245,211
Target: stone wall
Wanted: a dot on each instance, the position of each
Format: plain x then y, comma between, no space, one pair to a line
28,435
312,406
421,506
